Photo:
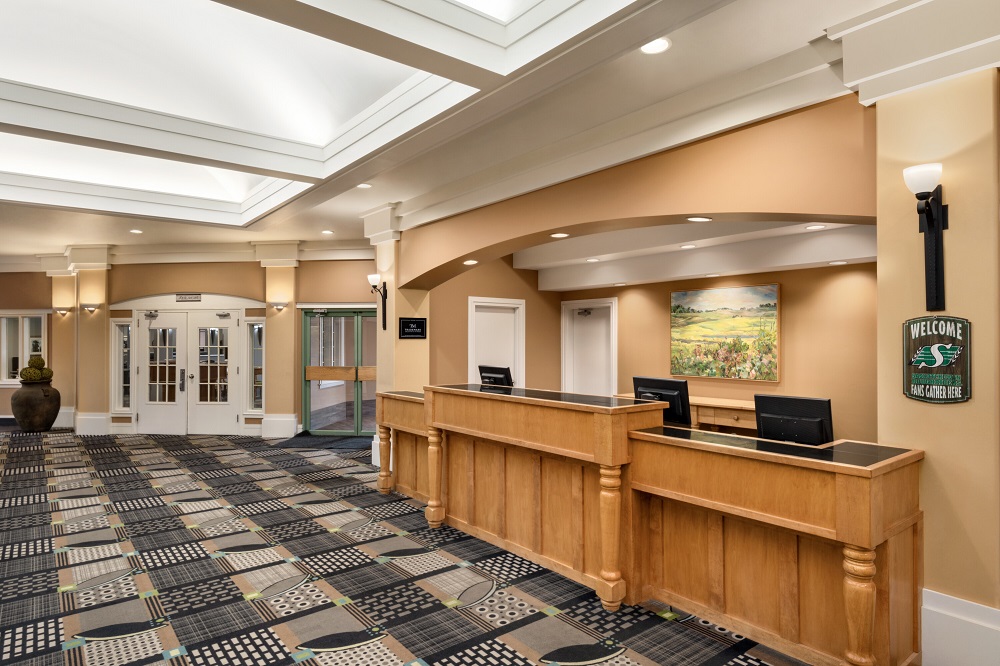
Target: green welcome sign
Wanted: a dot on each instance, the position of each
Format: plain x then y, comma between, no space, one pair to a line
937,359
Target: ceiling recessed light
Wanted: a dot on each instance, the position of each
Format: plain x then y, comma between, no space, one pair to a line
656,46
135,231
592,261
699,219
688,246
838,263
327,232
470,262
712,275
815,227
559,235
364,186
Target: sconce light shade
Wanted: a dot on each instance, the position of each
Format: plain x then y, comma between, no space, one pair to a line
89,307
373,279
62,311
922,177
382,291
279,306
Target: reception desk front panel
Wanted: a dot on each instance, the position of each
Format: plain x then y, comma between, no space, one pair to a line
816,551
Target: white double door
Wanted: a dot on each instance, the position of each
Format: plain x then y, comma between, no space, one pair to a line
187,373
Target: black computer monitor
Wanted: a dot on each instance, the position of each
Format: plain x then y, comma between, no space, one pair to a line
674,391
491,375
793,419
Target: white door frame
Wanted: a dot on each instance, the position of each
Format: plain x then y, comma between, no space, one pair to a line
518,306
566,318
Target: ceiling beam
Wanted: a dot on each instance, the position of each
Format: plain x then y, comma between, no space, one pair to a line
309,18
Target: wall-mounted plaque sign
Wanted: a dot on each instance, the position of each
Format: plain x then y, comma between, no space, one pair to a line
188,298
413,328
937,363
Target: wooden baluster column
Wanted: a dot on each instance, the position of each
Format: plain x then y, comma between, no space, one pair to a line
385,460
859,602
611,515
435,509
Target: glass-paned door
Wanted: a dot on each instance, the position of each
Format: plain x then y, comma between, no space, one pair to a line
214,386
161,385
339,358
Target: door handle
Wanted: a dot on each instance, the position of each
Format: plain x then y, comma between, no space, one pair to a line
181,387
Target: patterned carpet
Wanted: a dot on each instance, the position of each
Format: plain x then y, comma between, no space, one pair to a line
227,550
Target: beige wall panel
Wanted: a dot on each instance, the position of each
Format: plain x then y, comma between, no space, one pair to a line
823,623
827,331
592,520
459,476
62,339
335,282
785,164
448,324
406,461
488,487
561,512
244,279
955,123
688,550
26,291
522,501
753,553
93,363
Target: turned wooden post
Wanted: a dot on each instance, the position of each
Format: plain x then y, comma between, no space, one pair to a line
435,509
611,511
859,602
385,460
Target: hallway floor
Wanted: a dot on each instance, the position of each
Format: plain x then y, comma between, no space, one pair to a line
236,550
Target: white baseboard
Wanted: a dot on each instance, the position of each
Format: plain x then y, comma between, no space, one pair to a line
66,417
956,632
279,425
93,424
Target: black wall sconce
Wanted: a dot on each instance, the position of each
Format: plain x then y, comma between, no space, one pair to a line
923,180
382,291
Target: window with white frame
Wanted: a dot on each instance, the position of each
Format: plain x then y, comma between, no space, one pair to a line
121,365
21,337
255,348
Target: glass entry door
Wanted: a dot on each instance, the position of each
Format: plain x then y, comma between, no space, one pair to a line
339,358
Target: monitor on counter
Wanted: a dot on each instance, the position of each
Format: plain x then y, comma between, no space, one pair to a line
793,419
674,391
491,375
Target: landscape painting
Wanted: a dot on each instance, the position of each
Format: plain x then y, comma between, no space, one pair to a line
730,332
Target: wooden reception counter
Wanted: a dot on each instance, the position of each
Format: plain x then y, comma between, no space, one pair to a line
816,551
537,473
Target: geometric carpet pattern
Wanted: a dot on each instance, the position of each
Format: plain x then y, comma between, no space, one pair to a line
226,551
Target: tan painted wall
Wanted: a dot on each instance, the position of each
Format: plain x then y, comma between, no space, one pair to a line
335,282
93,343
448,324
25,291
827,339
955,123
814,162
282,345
232,279
22,291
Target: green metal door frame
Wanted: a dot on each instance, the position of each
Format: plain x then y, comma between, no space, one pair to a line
357,314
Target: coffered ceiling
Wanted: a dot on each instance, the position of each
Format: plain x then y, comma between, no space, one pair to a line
215,124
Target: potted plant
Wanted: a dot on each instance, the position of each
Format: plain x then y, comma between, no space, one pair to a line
36,404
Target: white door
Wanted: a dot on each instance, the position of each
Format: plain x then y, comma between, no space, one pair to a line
590,347
188,373
213,373
496,336
160,374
